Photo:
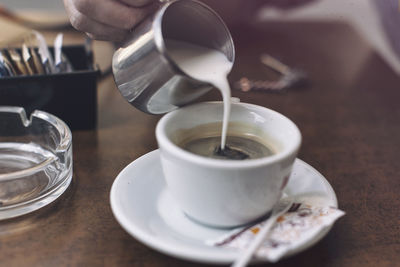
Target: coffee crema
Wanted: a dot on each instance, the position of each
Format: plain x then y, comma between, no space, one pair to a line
244,141
236,148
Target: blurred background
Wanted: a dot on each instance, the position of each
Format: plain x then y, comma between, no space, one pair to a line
375,20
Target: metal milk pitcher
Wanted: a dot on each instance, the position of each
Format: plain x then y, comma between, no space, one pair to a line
144,72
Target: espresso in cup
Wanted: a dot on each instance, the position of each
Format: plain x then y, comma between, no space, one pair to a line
241,143
236,148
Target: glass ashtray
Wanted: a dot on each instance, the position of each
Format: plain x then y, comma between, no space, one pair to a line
35,160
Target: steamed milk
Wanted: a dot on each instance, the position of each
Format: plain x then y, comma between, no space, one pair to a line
207,65
212,66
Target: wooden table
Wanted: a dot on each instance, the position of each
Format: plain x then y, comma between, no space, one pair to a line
349,116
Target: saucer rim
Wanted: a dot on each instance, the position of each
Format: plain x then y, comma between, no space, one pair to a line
219,255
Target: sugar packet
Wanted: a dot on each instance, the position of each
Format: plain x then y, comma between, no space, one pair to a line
300,225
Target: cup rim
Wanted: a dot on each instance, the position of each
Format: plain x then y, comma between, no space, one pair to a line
165,143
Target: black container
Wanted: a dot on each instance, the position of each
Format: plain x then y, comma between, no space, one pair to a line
70,96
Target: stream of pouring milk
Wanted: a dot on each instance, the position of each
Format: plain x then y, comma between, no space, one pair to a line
207,65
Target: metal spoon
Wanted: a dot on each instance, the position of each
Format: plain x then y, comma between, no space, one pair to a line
279,209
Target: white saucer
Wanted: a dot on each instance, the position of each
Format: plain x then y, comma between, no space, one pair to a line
144,208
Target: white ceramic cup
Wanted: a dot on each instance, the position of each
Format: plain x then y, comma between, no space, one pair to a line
227,193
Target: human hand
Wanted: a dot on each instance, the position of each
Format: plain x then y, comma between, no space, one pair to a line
109,20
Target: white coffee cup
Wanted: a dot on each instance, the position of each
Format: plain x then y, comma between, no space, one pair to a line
227,193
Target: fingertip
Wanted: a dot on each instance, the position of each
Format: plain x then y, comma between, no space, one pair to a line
77,21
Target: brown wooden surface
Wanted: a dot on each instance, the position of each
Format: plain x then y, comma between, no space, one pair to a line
349,116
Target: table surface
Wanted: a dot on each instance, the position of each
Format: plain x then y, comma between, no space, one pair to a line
349,116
